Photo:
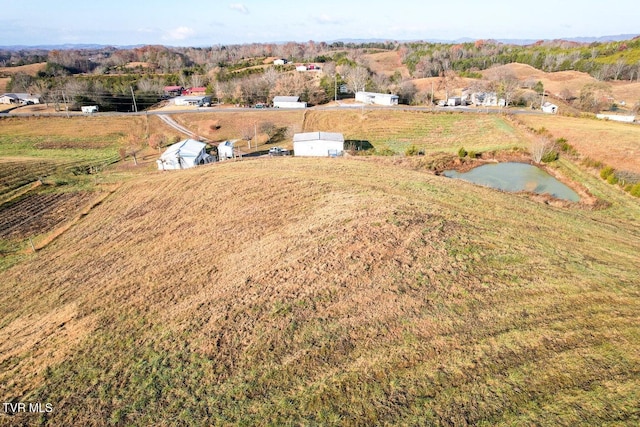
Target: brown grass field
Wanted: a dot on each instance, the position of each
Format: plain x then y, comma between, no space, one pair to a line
327,292
350,291
386,63
615,144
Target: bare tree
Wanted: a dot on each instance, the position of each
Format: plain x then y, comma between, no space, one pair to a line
355,77
618,68
540,147
505,84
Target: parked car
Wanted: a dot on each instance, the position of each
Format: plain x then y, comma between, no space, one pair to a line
278,151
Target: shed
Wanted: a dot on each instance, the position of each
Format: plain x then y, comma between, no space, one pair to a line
550,108
279,61
88,109
225,150
288,102
318,144
183,155
377,98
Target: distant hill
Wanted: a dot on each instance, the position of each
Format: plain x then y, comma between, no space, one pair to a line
71,46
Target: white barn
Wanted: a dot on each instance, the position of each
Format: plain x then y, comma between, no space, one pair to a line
288,102
318,144
377,98
183,155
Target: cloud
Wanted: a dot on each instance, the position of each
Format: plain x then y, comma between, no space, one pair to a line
179,33
239,7
326,19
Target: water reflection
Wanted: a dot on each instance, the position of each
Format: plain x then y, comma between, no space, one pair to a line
515,177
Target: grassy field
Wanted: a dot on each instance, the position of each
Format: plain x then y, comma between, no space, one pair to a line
291,291
287,291
615,144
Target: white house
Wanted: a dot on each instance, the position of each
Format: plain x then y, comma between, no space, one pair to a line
301,67
617,118
377,98
288,102
88,109
19,98
487,99
318,144
279,61
183,155
225,150
549,108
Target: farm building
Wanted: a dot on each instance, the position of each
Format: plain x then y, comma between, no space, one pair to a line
549,108
288,102
183,155
19,98
225,150
173,90
318,144
197,101
377,98
617,118
280,61
197,91
88,109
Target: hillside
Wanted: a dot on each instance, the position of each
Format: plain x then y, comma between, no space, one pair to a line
293,291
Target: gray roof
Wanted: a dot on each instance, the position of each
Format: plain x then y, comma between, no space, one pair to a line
318,136
286,98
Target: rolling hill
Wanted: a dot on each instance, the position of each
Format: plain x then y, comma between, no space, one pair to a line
328,292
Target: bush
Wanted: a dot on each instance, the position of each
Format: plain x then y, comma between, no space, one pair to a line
606,172
612,179
635,190
385,151
411,151
550,156
462,153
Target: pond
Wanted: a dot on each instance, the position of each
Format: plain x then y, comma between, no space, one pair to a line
516,177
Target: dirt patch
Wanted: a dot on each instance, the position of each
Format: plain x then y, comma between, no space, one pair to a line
35,214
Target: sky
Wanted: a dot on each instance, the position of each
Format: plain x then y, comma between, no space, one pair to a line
201,23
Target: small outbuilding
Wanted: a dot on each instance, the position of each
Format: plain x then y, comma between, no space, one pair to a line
318,144
288,102
377,98
549,108
225,150
89,109
183,155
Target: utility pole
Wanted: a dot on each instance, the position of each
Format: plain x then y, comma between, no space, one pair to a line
135,107
335,87
64,99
